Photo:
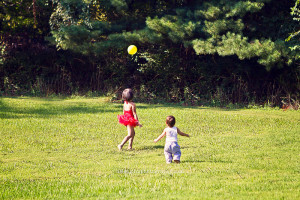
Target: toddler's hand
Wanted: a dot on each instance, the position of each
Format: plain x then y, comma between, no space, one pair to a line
140,125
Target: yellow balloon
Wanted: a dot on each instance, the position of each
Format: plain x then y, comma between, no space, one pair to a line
132,49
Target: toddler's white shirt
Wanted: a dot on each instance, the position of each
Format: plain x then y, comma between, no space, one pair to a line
171,134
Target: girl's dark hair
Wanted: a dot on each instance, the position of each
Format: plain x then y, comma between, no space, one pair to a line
170,121
127,94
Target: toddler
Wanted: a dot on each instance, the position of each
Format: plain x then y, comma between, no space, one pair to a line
171,145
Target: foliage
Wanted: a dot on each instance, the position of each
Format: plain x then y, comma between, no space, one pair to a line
188,51
215,27
296,16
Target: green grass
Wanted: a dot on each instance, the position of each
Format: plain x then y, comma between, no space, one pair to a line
67,149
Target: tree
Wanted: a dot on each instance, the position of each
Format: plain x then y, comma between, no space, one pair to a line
225,50
296,16
209,27
23,26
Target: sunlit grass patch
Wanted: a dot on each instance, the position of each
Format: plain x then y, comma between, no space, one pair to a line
67,149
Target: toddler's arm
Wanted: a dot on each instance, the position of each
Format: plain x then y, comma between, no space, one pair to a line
161,136
182,133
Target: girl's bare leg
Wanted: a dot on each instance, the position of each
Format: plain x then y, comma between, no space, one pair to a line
131,139
131,133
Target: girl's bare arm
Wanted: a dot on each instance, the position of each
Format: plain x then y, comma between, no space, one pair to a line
134,111
135,115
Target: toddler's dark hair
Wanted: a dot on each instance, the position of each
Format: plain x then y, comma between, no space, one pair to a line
170,121
127,94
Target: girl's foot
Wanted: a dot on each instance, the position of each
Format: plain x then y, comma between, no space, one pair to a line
119,147
129,148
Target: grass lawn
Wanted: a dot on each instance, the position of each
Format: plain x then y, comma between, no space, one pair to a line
67,149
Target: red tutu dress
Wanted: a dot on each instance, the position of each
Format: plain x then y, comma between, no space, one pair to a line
128,119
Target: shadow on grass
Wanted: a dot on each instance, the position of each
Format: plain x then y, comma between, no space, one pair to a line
169,106
206,161
142,105
152,147
49,110
180,106
193,161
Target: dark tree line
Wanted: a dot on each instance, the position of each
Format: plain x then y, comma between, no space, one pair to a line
215,52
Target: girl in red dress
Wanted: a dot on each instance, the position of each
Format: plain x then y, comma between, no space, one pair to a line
129,118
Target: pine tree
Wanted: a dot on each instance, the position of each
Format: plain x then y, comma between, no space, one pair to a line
295,35
209,27
225,49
